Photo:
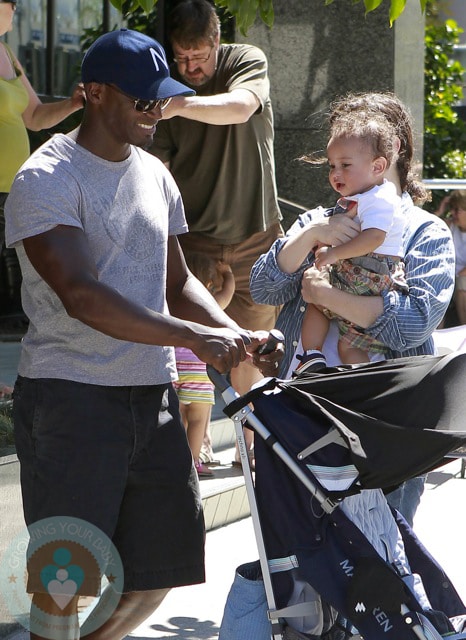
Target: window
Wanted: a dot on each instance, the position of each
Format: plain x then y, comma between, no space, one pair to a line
46,37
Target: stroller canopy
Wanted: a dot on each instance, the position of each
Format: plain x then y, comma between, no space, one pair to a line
398,418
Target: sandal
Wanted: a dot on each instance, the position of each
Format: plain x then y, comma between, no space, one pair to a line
206,459
202,470
207,456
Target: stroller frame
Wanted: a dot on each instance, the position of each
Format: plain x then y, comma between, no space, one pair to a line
246,415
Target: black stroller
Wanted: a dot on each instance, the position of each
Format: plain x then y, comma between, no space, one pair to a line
326,446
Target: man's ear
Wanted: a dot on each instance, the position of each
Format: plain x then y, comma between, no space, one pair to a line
93,92
379,165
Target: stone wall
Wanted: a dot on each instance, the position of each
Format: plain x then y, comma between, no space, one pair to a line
318,52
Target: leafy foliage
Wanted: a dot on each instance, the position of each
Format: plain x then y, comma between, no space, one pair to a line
396,7
444,130
245,12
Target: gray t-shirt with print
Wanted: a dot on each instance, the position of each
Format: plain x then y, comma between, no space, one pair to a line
127,211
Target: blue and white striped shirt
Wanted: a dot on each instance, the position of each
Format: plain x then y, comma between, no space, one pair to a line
408,321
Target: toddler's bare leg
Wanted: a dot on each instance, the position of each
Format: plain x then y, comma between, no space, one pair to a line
314,329
351,355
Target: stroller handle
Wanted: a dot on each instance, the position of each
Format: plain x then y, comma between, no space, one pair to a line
220,381
275,337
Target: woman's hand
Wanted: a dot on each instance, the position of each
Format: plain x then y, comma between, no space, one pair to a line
314,285
340,229
266,351
269,363
362,310
78,97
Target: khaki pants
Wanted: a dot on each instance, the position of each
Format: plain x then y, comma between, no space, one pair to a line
241,258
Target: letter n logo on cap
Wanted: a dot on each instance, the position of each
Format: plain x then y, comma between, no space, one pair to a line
158,56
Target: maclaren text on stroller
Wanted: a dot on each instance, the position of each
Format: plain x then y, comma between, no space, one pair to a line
327,445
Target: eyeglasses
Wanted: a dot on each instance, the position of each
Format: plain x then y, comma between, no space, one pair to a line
140,105
187,60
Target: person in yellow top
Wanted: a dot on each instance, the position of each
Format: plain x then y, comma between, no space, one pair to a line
21,109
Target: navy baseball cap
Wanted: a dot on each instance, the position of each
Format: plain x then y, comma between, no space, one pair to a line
133,62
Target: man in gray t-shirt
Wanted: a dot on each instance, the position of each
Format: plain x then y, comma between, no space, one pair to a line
94,219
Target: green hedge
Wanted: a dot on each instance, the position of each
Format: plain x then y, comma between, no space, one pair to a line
444,130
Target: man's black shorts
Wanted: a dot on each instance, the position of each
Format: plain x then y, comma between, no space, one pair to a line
116,457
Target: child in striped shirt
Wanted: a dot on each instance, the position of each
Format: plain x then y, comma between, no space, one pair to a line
194,388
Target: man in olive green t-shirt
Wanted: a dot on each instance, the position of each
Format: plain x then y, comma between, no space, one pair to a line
218,145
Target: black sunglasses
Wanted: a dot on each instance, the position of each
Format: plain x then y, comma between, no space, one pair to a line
141,105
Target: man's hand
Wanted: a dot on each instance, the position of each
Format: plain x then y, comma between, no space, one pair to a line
222,348
173,108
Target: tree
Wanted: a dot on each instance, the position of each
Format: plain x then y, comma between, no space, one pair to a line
444,130
246,11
